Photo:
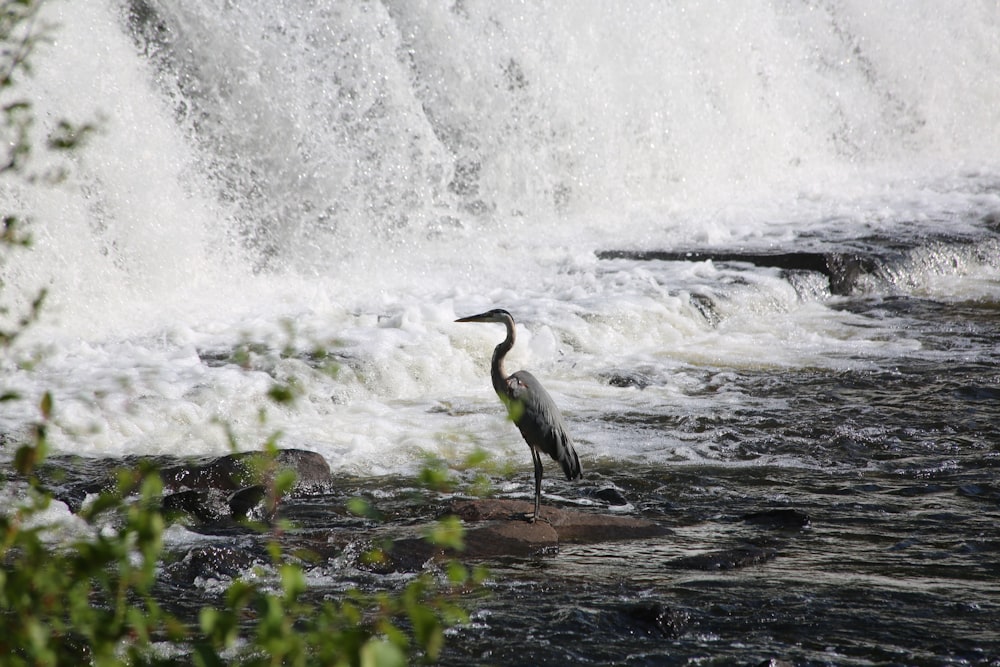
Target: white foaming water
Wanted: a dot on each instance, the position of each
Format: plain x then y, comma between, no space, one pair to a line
355,176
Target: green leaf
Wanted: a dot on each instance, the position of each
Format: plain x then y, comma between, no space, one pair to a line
457,573
284,481
281,393
380,653
447,533
293,582
434,475
363,508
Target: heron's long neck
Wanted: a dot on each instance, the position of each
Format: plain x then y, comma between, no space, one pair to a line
497,371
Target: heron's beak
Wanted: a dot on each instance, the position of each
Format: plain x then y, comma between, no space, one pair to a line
474,318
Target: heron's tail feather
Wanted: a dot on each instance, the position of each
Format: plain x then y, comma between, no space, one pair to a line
569,461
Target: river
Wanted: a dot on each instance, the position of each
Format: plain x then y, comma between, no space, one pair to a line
753,250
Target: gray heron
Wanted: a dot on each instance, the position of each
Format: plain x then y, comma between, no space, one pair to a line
530,407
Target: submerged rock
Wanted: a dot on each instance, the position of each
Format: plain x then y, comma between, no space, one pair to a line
650,617
206,488
725,559
788,519
611,496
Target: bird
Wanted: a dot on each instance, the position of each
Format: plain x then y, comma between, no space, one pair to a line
530,407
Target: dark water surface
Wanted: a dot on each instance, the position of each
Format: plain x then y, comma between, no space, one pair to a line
891,569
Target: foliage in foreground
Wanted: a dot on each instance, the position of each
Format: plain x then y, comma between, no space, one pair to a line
92,599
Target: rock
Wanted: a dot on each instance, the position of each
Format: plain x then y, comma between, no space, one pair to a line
234,487
726,559
213,506
843,270
779,519
505,524
497,528
236,471
627,379
611,496
251,503
408,554
205,505
651,618
212,562
511,538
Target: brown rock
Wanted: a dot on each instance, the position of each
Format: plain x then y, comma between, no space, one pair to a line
499,528
500,538
504,528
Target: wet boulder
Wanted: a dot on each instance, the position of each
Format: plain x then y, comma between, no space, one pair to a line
221,508
236,471
234,488
205,505
212,562
611,496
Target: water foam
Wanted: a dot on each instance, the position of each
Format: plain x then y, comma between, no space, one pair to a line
354,177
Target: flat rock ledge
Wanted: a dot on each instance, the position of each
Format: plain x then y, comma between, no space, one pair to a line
497,528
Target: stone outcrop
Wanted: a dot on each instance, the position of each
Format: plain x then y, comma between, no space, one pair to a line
236,471
842,270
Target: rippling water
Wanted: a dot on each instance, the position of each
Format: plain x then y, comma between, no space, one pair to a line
308,196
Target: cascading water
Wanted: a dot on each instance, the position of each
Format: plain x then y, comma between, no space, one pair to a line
275,178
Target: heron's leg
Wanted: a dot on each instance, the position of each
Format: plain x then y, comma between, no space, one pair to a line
538,482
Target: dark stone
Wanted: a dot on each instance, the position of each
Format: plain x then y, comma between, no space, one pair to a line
234,488
611,496
214,506
74,496
409,554
779,518
992,220
236,471
213,562
628,379
511,538
251,504
652,618
726,559
205,505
